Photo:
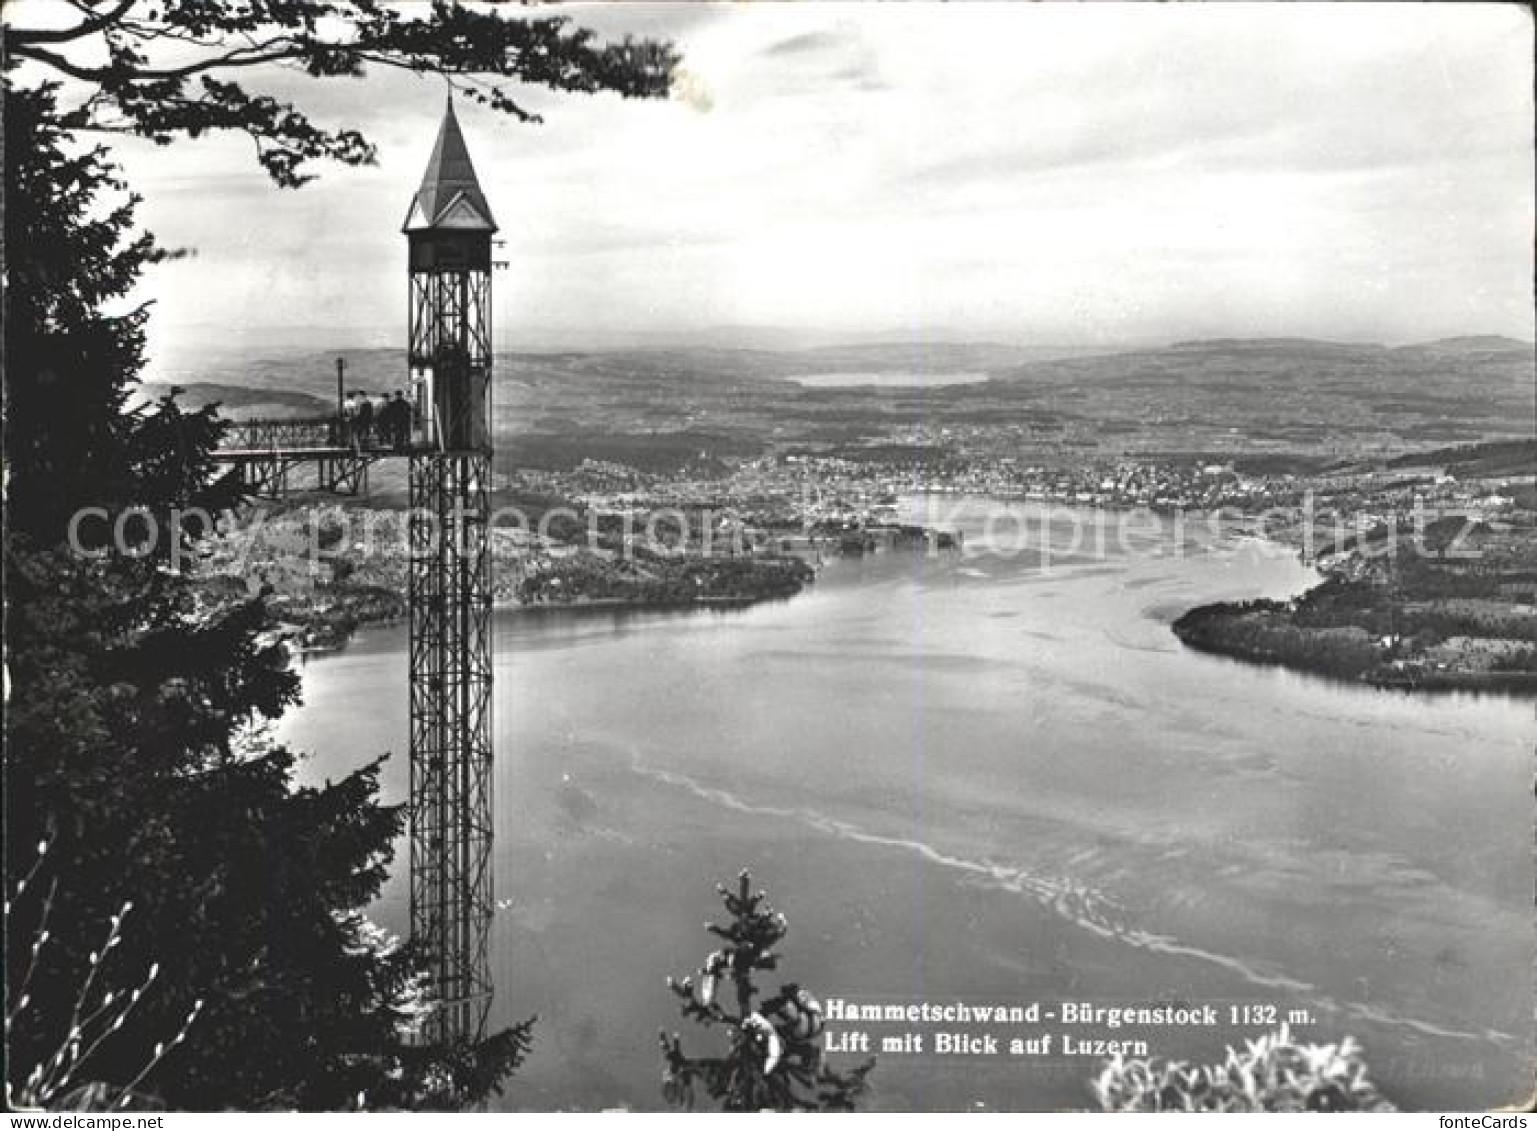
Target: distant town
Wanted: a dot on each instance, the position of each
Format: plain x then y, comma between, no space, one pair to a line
1429,559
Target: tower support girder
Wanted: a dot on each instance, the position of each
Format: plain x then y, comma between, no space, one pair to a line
451,756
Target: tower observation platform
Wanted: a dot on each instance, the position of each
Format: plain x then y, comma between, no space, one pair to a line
443,432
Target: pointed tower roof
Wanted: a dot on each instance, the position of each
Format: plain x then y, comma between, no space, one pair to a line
450,196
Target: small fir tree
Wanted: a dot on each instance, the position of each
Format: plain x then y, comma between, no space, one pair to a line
774,1059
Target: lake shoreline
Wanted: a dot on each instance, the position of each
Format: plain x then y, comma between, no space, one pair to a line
596,604
1513,684
1412,620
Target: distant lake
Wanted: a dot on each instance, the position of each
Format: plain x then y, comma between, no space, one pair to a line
989,778
888,379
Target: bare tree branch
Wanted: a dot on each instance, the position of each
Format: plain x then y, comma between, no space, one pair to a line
240,57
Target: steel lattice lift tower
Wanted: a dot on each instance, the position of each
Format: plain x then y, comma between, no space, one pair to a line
449,229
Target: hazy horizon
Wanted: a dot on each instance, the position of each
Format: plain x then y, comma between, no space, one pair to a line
207,337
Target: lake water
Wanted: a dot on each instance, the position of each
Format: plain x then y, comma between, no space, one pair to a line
887,380
985,778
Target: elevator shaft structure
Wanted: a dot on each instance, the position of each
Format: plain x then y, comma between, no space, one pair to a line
449,230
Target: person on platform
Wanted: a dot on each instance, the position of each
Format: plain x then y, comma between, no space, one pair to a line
349,436
398,426
365,419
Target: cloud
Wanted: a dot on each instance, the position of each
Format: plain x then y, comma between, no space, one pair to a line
690,89
862,77
810,42
1014,169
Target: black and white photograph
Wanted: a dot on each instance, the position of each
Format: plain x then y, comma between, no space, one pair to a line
768,557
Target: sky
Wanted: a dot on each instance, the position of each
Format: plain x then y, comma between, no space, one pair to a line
1034,173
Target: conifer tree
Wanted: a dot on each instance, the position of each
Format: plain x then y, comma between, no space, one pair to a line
134,744
773,1058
